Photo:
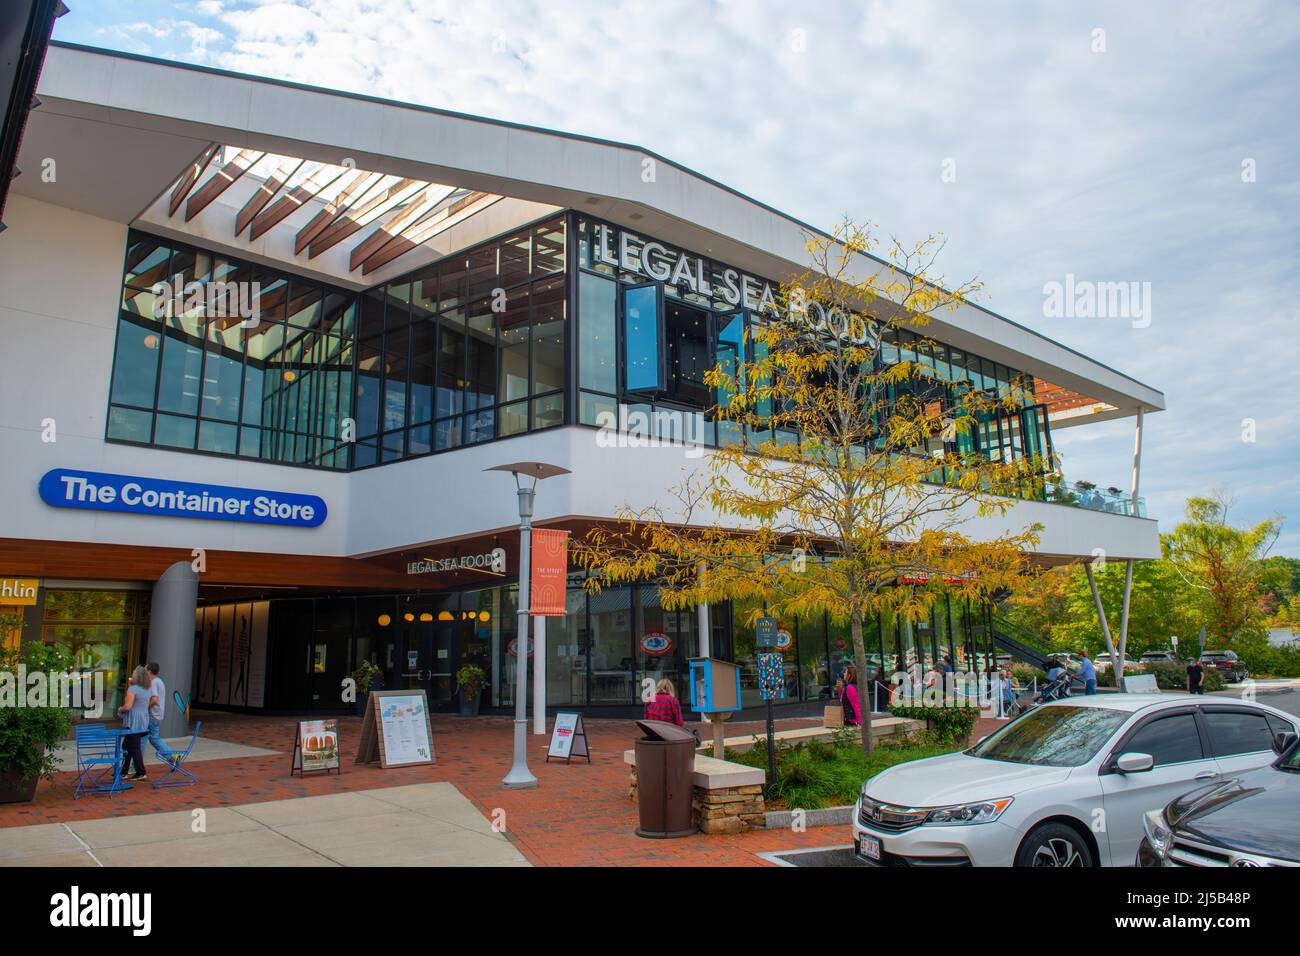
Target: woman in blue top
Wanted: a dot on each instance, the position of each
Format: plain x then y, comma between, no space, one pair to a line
135,718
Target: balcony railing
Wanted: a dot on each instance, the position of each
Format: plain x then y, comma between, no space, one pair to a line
1084,494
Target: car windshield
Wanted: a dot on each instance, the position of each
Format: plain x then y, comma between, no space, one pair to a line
1062,736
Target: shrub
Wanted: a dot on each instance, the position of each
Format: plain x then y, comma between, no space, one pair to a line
944,725
29,735
824,773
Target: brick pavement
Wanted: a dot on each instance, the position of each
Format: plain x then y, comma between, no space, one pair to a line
579,814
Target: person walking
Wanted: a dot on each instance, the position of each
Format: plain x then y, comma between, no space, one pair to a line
135,718
848,694
1195,678
664,706
1088,672
157,711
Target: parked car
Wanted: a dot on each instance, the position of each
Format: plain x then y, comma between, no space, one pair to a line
1159,657
1226,663
1243,821
1030,793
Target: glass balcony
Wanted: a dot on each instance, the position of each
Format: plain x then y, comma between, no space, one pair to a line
1084,494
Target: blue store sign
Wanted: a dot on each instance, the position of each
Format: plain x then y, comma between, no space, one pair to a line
95,491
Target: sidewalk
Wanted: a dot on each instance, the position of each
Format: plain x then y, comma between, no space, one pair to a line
429,824
579,814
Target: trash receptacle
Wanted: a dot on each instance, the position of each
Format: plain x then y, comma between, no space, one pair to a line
665,768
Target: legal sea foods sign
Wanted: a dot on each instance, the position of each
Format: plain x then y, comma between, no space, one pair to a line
128,494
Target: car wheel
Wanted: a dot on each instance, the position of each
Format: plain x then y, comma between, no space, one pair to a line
1054,844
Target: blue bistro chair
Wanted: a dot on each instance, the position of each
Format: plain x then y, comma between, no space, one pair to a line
98,748
177,767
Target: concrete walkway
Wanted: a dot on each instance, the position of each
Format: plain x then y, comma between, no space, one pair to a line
205,748
426,824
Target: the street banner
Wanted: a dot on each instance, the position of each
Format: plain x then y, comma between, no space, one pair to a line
550,572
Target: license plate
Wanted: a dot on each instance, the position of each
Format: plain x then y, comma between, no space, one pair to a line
868,847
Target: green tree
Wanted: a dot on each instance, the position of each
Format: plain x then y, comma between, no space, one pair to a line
1220,565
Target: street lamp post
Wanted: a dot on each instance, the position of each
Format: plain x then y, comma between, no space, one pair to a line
520,777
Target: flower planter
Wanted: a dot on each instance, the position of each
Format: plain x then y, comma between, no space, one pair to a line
469,702
359,706
14,789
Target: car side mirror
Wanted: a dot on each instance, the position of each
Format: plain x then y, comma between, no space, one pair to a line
1283,741
1134,763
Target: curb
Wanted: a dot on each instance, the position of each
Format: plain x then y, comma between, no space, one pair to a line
826,817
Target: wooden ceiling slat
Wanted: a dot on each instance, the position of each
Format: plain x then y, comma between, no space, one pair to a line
354,191
287,205
266,192
426,202
186,182
355,219
400,245
221,180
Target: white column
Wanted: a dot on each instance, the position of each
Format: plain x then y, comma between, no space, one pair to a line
702,617
1137,460
539,675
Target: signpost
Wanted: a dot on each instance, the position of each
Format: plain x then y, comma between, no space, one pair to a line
396,730
316,747
568,739
771,686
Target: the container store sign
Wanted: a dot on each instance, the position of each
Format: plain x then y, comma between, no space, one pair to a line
96,491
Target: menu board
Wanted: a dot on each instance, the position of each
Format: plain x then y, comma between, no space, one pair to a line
405,736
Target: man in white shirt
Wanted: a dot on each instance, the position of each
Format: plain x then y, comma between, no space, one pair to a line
158,690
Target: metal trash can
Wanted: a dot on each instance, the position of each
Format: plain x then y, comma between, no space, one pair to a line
665,768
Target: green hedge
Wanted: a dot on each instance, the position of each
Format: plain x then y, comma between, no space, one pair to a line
1168,676
947,725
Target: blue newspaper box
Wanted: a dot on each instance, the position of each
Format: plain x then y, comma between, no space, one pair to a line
715,686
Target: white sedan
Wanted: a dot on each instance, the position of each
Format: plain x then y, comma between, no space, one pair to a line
1065,784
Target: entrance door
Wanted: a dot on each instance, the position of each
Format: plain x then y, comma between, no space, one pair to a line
427,656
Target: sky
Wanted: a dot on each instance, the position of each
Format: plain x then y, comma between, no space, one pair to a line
1151,143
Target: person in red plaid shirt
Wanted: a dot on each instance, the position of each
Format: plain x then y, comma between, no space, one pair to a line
665,707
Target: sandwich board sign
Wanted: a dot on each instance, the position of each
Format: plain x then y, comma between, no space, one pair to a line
568,739
316,747
396,730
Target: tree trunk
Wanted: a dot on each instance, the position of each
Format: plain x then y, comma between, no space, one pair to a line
864,680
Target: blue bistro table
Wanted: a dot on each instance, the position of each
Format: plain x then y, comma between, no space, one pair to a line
116,786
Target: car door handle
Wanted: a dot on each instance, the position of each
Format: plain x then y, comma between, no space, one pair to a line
1206,775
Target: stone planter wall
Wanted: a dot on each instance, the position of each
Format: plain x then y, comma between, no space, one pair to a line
724,810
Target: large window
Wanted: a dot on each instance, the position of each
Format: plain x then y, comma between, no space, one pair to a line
220,356
465,350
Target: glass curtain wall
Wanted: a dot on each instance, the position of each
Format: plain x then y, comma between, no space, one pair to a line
222,356
466,350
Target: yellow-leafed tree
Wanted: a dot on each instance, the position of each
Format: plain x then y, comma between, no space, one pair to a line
846,468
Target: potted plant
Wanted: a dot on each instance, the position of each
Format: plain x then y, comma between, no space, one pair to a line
30,735
469,682
365,675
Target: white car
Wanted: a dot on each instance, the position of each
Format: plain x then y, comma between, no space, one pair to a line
1065,784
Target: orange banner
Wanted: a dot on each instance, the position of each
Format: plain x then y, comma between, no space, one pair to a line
550,572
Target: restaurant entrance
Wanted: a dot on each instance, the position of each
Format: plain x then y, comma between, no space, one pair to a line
426,658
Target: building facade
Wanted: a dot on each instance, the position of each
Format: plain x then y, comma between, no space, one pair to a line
279,334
